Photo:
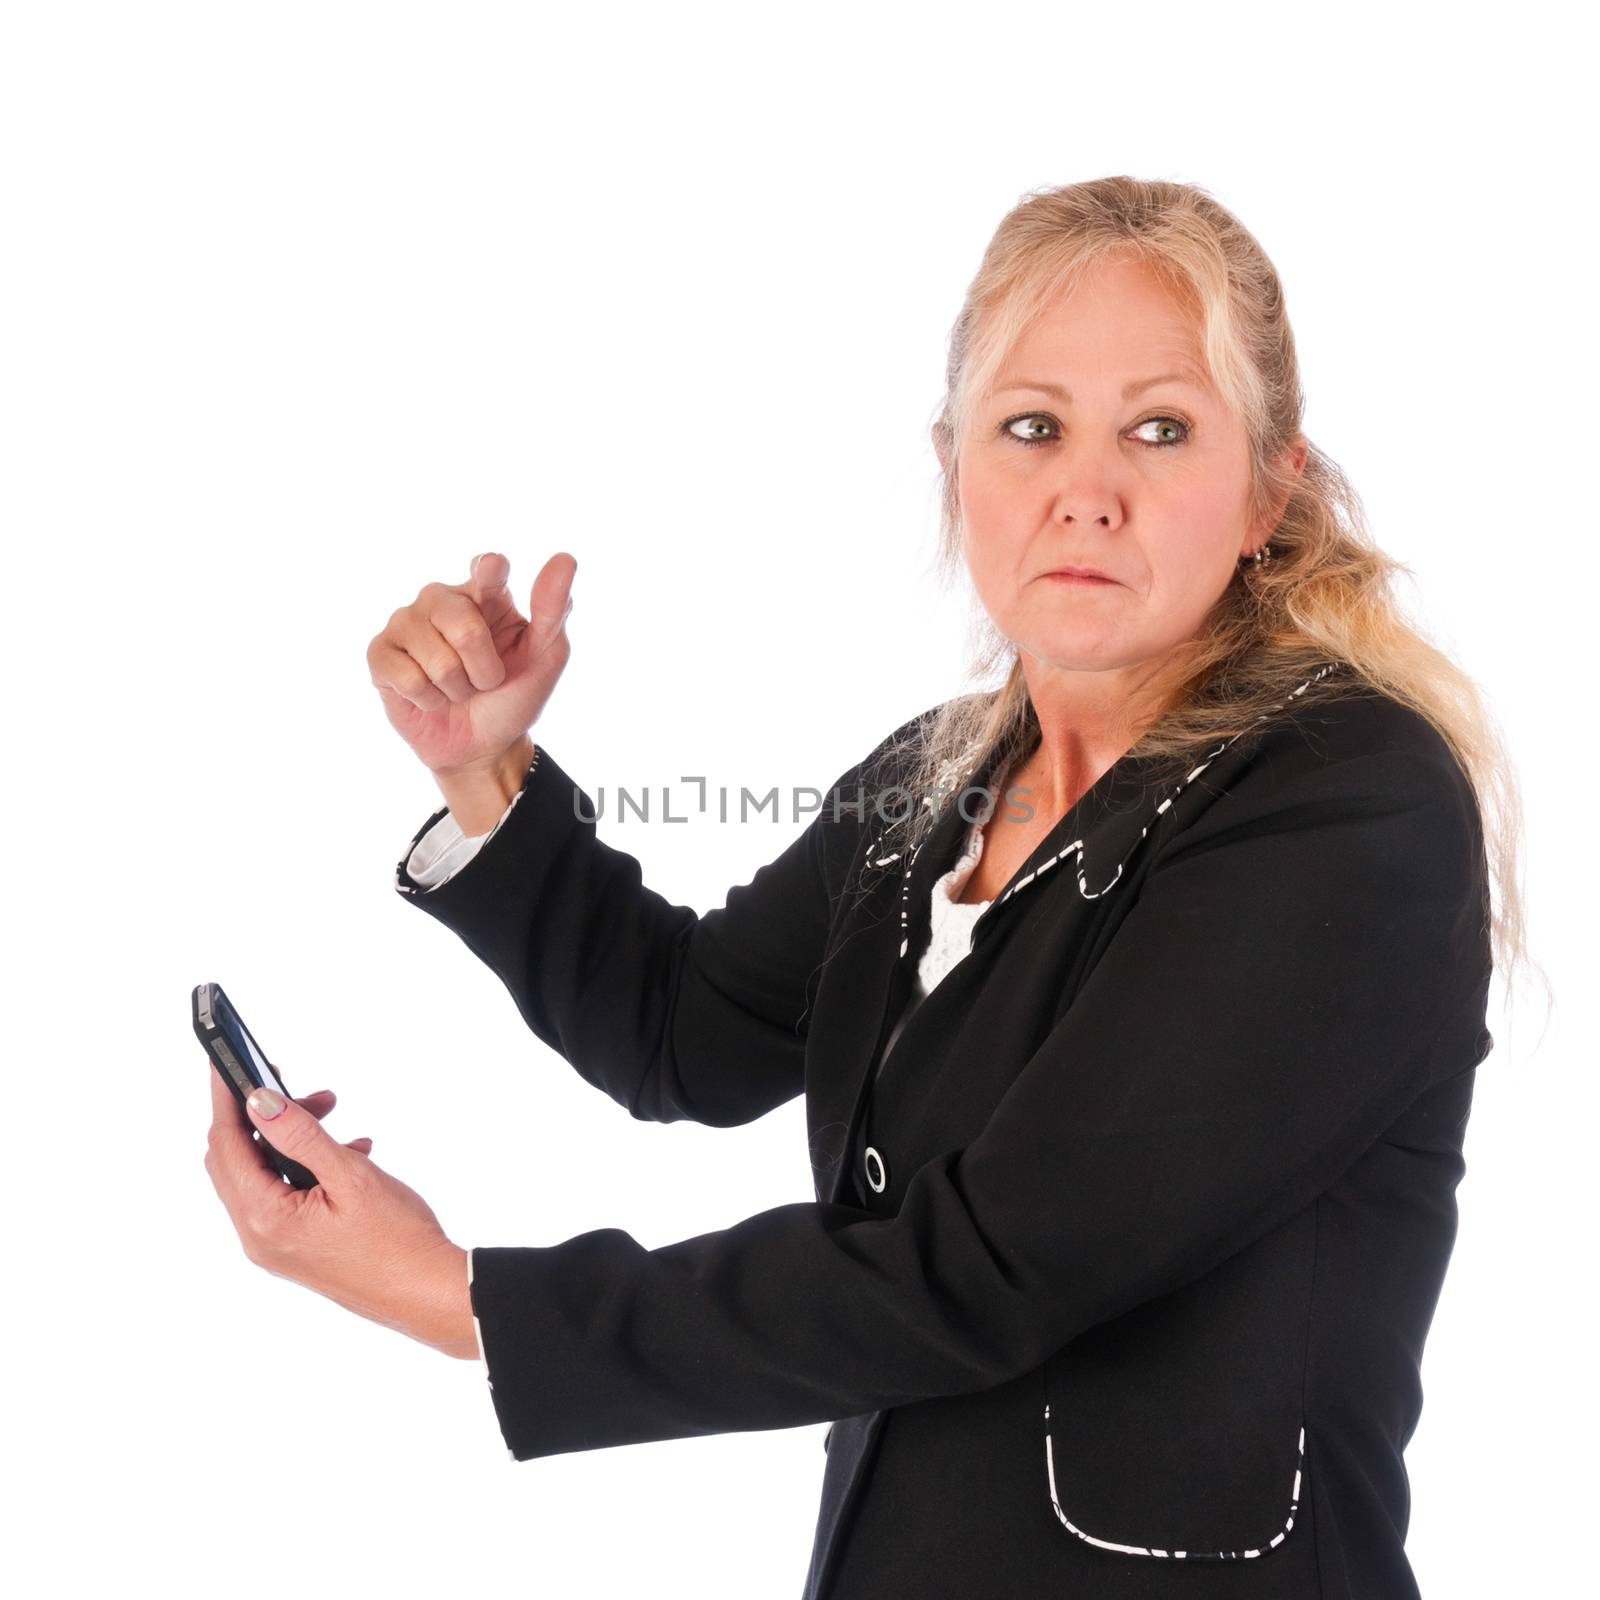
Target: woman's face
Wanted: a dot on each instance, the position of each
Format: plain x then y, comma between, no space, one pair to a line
1076,459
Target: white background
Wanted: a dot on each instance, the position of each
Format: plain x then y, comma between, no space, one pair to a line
305,305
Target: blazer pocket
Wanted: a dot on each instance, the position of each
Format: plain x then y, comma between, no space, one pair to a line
1176,1431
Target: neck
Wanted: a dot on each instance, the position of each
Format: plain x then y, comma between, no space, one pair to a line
1087,722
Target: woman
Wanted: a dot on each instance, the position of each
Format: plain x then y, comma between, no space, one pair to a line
1135,1103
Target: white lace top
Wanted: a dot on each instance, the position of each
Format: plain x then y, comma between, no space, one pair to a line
952,920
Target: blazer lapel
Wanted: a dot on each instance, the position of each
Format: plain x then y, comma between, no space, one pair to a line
887,959
1098,837
1093,841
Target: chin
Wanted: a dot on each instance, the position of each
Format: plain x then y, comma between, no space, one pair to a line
1074,655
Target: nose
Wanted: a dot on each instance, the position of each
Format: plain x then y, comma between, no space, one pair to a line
1077,508
1085,494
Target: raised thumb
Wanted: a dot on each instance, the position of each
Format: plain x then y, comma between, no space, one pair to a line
293,1131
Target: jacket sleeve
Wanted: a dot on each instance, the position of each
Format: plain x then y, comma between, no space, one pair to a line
672,1014
441,850
1301,963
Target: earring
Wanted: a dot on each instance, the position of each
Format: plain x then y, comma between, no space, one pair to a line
1259,558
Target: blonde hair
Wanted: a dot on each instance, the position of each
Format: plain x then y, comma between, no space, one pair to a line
1326,591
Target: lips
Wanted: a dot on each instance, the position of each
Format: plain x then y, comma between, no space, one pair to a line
1080,572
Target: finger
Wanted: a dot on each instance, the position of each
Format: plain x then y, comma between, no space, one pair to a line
293,1132
394,671
489,575
422,641
319,1102
462,625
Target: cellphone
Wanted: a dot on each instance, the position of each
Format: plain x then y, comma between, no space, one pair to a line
242,1065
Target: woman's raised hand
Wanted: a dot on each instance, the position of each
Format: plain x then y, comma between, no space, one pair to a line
462,673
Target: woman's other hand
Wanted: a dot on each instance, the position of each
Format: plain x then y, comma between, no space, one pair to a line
361,1237
462,673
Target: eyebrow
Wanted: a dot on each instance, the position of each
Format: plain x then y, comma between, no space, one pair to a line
1129,390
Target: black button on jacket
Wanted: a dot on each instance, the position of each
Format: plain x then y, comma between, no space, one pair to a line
1171,1163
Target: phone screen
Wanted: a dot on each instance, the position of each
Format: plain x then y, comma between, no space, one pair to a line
262,1065
232,1024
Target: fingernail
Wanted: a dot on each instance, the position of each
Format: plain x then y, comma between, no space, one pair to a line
474,567
266,1103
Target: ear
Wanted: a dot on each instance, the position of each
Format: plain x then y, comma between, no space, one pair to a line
936,434
1294,461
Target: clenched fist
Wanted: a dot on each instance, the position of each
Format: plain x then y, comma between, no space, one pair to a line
462,673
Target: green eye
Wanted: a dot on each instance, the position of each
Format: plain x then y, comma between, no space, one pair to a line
1031,417
1168,423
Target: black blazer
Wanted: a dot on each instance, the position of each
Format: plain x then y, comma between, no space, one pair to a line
1170,1160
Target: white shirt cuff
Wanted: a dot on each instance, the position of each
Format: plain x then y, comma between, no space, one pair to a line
444,849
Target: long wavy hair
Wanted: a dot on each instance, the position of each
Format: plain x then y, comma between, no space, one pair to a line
1326,593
